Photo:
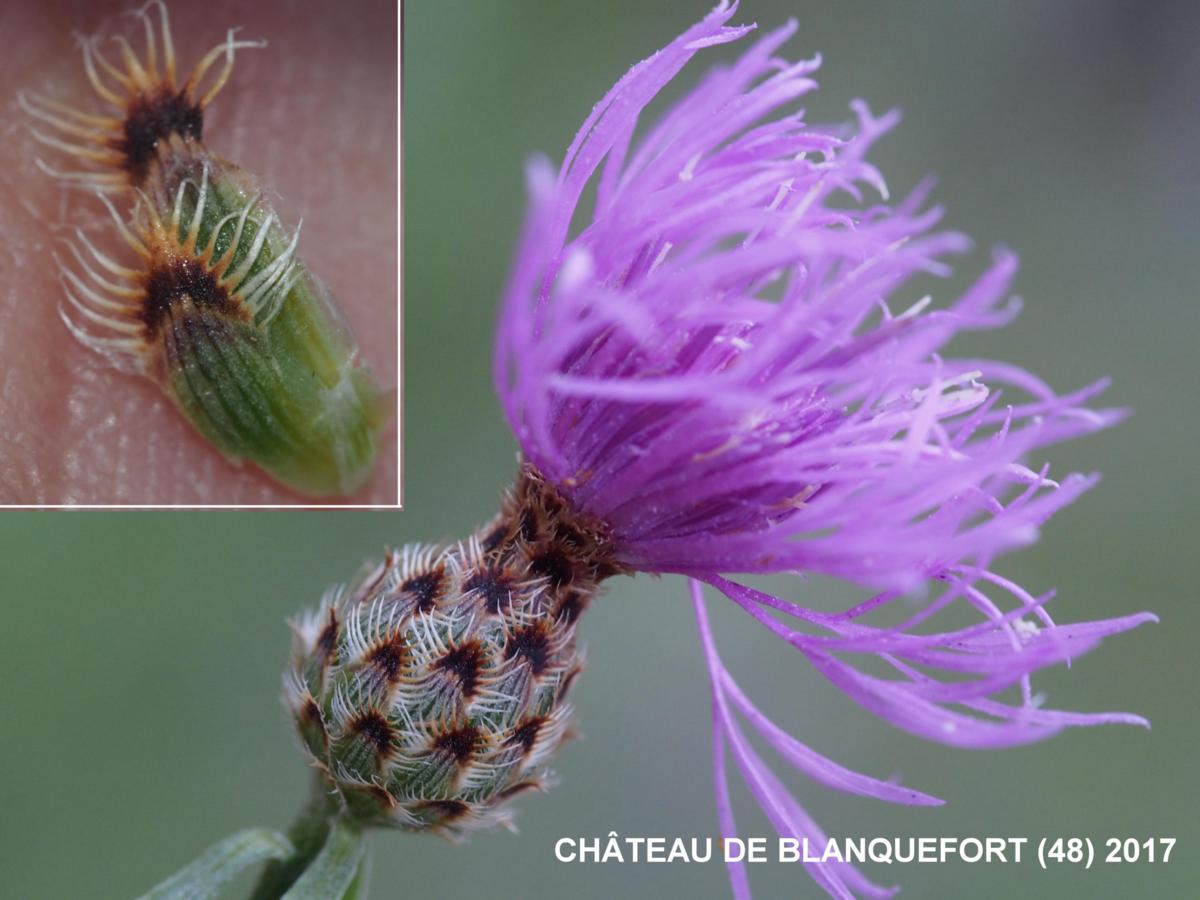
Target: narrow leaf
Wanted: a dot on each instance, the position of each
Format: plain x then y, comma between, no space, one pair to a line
205,876
330,875
361,886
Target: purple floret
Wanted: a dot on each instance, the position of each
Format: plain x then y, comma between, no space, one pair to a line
728,364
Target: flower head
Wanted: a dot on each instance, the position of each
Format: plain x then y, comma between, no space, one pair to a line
434,691
728,366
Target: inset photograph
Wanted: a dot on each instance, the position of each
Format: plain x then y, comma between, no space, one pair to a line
200,270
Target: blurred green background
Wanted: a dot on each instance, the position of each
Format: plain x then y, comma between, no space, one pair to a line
140,653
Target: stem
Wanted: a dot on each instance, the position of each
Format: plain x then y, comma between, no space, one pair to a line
307,833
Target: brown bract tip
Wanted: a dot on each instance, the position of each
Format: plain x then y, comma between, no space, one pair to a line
532,645
494,586
525,735
387,659
149,118
465,662
564,544
372,727
460,744
174,279
425,588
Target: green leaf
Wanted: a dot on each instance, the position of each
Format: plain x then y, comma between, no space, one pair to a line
221,863
361,884
336,867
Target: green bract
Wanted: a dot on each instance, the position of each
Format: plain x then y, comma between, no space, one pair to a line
275,376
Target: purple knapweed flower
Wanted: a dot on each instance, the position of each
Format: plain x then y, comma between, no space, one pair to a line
713,370
713,377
